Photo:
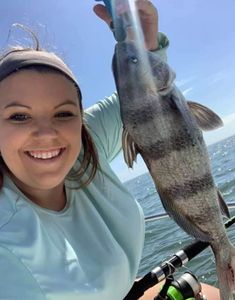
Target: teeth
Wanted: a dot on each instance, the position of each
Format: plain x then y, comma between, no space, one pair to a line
44,154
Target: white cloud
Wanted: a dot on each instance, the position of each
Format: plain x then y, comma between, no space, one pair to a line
215,78
229,118
184,81
187,91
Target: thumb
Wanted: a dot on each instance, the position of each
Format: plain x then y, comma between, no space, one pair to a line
101,11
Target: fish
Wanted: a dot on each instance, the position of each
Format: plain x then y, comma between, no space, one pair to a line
166,130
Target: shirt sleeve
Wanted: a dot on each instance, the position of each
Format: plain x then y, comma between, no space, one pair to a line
163,44
104,121
16,281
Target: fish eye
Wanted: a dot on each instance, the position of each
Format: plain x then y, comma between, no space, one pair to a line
134,59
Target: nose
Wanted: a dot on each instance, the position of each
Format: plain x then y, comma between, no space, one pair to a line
44,128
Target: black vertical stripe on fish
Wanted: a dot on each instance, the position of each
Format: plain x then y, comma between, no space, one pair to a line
181,141
189,188
148,112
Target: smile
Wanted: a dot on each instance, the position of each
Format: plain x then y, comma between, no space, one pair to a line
44,155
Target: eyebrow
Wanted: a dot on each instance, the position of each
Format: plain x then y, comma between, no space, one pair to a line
13,104
71,102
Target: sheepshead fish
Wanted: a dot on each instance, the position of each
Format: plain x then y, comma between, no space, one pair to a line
166,130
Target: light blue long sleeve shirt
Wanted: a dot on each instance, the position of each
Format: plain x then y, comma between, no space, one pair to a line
89,250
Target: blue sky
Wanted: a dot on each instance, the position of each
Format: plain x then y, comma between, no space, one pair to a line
202,43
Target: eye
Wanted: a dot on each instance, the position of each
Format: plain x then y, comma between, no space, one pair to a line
64,114
134,59
19,117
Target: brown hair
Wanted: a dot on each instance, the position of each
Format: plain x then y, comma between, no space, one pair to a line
89,161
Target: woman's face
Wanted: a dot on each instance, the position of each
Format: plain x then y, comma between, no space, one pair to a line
40,127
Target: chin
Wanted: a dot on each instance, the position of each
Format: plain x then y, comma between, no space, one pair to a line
44,183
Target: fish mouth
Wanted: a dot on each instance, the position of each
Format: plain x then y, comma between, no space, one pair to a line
44,155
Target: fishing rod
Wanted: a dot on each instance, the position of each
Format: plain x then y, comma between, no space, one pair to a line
165,215
167,268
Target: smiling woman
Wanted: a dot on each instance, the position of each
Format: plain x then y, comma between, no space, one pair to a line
17,96
60,203
69,229
33,130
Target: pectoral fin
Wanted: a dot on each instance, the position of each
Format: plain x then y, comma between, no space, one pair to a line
205,117
223,206
129,148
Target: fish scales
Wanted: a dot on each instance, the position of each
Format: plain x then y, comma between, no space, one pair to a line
177,183
161,126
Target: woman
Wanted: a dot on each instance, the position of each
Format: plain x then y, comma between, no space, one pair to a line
68,228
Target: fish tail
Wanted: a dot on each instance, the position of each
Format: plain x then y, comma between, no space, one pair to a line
225,266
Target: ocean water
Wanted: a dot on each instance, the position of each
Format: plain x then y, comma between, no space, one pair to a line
163,237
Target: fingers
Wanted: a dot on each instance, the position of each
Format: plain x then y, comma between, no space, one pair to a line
148,16
101,11
147,8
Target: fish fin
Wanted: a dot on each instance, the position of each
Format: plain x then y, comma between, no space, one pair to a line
129,148
223,206
225,267
205,117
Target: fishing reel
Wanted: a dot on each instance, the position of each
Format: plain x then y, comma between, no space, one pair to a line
187,287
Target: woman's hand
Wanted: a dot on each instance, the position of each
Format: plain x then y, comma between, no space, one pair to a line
148,18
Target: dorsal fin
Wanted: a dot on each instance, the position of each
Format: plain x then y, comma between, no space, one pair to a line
205,117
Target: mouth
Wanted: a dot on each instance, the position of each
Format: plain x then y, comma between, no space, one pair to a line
45,155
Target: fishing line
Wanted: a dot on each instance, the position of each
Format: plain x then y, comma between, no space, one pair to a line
25,29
